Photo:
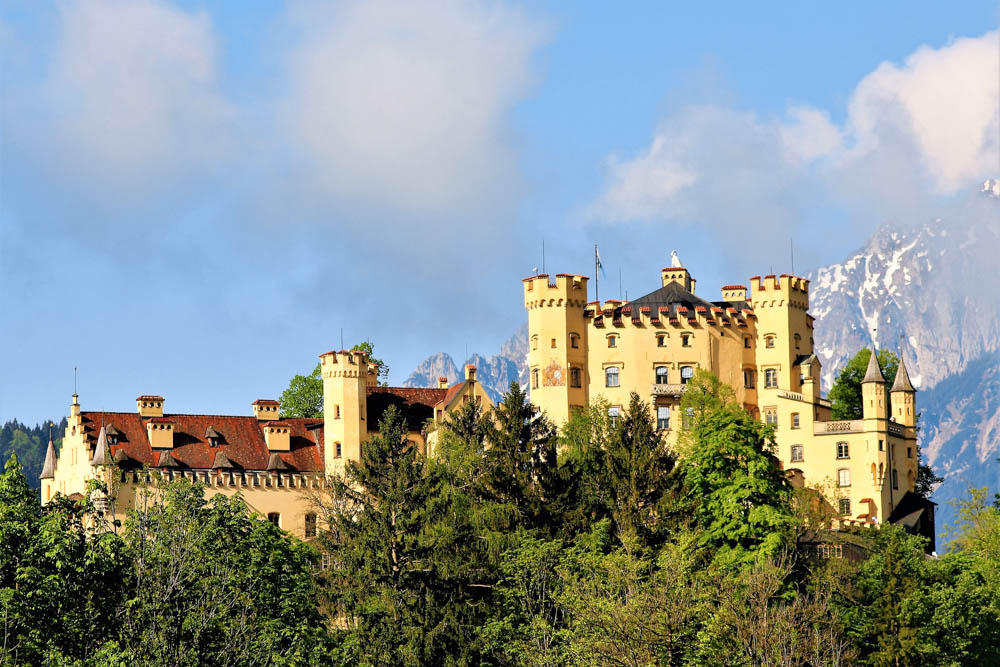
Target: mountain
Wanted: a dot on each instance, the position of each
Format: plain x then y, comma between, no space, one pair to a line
495,373
927,293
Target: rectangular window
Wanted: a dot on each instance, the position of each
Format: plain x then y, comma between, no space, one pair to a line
795,420
843,450
574,377
611,376
771,417
574,341
909,452
534,378
771,377
746,342
685,340
661,341
769,341
662,375
613,413
310,530
881,445
612,341
844,506
663,417
274,518
339,450
895,479
797,453
843,477
749,378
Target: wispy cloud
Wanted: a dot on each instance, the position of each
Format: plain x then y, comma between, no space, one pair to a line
406,105
128,108
915,131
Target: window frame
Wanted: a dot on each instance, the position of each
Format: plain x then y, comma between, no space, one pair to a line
311,525
770,378
844,506
665,374
843,450
842,474
614,414
686,339
662,423
690,373
575,377
612,371
612,341
797,449
796,421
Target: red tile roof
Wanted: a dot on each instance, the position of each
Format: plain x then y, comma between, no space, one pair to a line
242,440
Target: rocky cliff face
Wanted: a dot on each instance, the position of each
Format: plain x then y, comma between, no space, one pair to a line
495,373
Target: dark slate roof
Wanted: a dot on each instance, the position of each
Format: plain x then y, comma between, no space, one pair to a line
102,455
902,382
874,373
415,403
669,294
804,358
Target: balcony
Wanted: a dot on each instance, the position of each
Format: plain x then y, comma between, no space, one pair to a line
896,429
846,426
668,389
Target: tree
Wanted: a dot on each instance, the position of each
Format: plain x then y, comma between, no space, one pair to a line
845,394
519,468
741,498
304,395
407,576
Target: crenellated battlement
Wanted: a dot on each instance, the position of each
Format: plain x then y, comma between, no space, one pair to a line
567,290
783,290
344,363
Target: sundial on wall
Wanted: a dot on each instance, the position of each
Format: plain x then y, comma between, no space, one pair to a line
553,375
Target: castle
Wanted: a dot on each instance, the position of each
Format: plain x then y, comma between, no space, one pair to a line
758,341
274,463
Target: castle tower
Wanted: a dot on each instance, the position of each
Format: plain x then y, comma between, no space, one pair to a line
345,378
874,399
784,329
902,397
557,343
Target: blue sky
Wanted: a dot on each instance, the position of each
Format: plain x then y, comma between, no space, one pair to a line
195,198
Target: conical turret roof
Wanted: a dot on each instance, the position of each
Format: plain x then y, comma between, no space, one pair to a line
102,454
49,467
902,382
874,373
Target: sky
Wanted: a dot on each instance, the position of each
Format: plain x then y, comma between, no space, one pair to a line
199,198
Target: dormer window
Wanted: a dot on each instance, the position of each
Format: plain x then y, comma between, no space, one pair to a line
213,437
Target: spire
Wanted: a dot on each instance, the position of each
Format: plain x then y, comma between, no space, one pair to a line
902,382
49,468
874,373
102,454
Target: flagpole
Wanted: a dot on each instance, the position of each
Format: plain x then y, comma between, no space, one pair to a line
597,266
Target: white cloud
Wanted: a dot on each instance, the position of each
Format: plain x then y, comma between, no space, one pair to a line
922,129
406,105
129,106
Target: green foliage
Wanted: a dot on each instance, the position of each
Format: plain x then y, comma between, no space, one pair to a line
845,394
304,396
29,444
741,498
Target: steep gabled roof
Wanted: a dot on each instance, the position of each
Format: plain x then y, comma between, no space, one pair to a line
49,467
102,455
874,373
902,382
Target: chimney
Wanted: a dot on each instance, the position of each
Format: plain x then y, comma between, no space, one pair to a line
149,406
266,409
160,431
442,382
470,373
277,437
734,293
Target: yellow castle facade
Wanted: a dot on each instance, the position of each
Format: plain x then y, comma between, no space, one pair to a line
757,340
276,464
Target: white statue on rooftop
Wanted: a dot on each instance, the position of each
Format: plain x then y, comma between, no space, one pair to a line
674,259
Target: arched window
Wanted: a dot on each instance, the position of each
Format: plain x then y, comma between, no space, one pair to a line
534,342
534,378
687,372
662,375
611,376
